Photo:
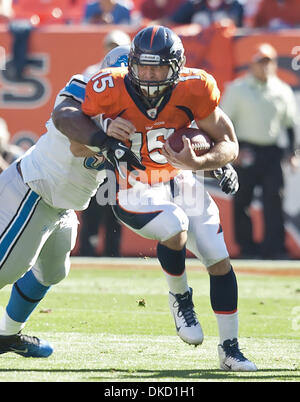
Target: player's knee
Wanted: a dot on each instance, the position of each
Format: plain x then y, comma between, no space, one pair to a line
220,268
57,278
167,227
52,274
176,242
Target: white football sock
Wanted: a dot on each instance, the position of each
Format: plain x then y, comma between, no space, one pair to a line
177,284
9,326
228,326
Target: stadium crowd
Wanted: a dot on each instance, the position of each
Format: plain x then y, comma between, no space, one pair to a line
271,14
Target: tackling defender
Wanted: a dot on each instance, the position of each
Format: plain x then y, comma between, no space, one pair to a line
38,225
147,102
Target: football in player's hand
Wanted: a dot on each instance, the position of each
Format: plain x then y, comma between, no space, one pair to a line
201,142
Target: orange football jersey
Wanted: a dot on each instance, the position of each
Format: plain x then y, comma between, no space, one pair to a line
110,93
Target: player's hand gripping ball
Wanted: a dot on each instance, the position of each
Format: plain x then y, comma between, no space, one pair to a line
200,142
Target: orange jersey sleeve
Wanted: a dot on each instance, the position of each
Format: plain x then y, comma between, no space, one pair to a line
199,91
102,95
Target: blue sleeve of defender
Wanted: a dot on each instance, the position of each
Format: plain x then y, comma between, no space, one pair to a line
75,88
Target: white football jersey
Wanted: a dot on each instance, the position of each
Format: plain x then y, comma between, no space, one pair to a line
52,171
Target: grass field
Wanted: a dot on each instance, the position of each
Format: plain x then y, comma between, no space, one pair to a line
113,324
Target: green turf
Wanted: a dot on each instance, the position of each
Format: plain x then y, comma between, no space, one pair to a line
115,325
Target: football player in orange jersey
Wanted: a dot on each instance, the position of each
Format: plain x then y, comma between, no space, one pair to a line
144,105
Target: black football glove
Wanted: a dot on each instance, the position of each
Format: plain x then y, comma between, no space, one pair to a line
117,153
227,179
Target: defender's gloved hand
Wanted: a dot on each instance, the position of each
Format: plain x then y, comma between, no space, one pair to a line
116,152
227,179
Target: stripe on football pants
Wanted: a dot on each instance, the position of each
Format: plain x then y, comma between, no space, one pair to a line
17,225
134,219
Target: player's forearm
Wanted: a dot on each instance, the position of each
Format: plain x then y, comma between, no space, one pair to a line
225,150
73,123
222,153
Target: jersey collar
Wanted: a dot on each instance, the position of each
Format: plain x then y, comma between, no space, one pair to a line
150,113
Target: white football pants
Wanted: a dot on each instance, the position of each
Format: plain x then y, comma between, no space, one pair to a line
32,233
161,211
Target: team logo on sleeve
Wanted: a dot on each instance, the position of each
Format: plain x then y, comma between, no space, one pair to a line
96,162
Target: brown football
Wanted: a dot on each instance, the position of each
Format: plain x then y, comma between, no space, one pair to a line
201,142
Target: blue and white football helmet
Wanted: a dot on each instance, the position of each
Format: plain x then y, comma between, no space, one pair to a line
117,57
